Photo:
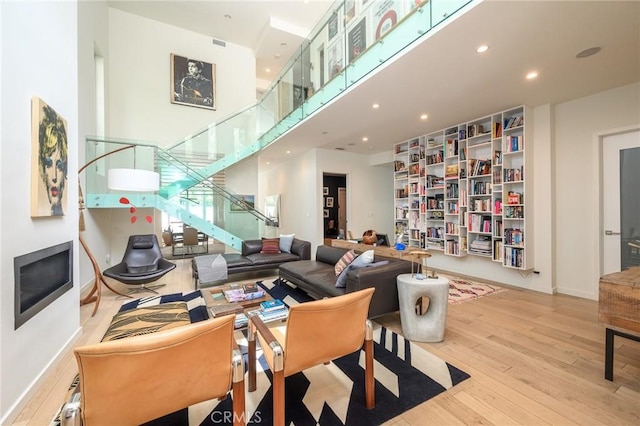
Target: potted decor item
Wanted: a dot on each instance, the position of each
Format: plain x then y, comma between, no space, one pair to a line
166,237
369,237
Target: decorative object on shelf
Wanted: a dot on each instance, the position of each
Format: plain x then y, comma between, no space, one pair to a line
49,151
325,190
193,82
369,237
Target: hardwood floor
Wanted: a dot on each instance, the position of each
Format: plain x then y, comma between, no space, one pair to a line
533,358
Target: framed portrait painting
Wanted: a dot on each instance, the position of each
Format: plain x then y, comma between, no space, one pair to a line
193,82
49,155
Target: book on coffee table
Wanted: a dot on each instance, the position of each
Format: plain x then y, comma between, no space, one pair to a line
272,305
225,309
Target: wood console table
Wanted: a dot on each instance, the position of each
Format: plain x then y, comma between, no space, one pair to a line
619,310
379,250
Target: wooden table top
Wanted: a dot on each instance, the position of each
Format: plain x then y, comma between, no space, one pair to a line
630,277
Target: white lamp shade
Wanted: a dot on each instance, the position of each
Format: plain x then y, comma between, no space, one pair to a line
133,180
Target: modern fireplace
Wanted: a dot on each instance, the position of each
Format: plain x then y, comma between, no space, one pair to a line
40,278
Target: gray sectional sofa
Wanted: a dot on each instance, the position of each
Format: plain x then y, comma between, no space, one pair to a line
251,260
317,277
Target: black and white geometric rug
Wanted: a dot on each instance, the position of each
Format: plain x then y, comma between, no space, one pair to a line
406,375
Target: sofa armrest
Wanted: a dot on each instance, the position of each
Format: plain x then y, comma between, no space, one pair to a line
384,279
251,247
301,248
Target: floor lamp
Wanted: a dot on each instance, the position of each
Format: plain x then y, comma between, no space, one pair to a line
119,179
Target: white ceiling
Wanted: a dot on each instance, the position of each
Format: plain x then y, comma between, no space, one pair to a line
443,76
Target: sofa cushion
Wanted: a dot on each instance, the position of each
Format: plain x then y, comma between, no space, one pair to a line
302,268
275,258
286,241
235,260
344,261
270,245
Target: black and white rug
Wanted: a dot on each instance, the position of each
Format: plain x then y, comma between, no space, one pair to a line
406,375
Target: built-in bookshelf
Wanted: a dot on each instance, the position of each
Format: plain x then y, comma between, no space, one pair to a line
463,190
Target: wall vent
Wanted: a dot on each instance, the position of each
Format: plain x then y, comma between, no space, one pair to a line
219,42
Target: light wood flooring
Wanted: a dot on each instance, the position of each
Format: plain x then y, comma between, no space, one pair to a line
534,359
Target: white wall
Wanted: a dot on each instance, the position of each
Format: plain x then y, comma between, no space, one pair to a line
139,79
299,181
44,63
577,215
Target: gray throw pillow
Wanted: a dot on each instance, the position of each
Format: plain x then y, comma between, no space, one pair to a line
286,241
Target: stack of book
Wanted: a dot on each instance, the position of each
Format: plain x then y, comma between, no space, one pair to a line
272,310
238,293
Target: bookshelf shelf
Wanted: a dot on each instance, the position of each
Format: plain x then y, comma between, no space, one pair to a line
468,172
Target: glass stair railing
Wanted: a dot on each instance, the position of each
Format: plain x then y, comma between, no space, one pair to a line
205,203
189,168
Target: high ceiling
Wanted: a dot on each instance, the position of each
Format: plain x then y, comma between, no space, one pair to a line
443,76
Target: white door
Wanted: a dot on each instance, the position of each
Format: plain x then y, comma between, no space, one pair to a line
621,199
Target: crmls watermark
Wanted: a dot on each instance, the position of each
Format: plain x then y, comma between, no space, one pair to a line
228,417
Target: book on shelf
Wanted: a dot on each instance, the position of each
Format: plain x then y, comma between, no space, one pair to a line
272,305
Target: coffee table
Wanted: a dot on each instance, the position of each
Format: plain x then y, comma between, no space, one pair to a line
214,297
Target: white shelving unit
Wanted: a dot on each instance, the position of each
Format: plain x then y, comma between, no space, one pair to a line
464,190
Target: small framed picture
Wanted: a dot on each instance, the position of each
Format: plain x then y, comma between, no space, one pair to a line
325,190
326,213
330,202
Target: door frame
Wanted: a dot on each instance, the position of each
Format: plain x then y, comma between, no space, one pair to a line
598,148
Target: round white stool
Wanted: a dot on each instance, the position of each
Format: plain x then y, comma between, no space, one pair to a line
428,326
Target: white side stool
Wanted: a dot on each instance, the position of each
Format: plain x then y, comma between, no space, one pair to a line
428,327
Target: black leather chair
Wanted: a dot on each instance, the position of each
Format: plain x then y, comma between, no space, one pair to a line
141,264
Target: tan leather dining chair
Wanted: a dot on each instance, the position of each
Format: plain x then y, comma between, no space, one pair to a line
137,379
190,239
315,333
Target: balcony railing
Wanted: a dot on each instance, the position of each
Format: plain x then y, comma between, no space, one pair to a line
352,41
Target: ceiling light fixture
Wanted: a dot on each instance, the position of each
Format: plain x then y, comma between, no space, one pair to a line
482,49
288,152
531,75
365,139
268,69
588,52
424,117
375,106
283,44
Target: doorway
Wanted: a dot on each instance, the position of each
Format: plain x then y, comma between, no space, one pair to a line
334,196
620,202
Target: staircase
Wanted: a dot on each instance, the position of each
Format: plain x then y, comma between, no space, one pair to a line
193,170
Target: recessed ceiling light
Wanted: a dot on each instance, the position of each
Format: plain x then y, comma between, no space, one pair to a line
371,147
588,52
375,106
351,144
283,44
288,152
424,117
268,162
482,49
531,75
339,149
325,132
365,139
227,16
277,56
268,69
